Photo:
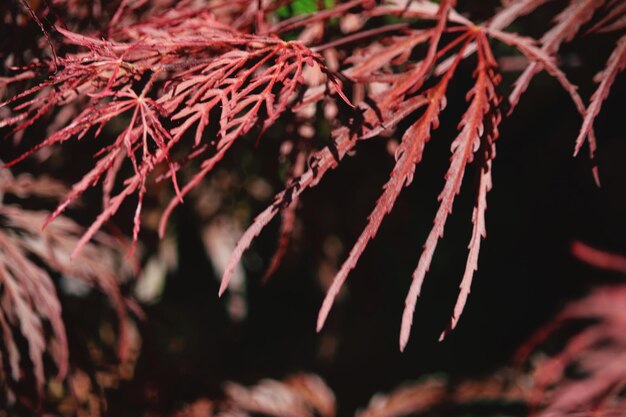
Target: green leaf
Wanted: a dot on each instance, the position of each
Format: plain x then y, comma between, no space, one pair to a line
301,7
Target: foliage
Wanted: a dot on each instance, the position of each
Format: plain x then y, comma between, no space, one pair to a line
28,256
308,395
166,89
